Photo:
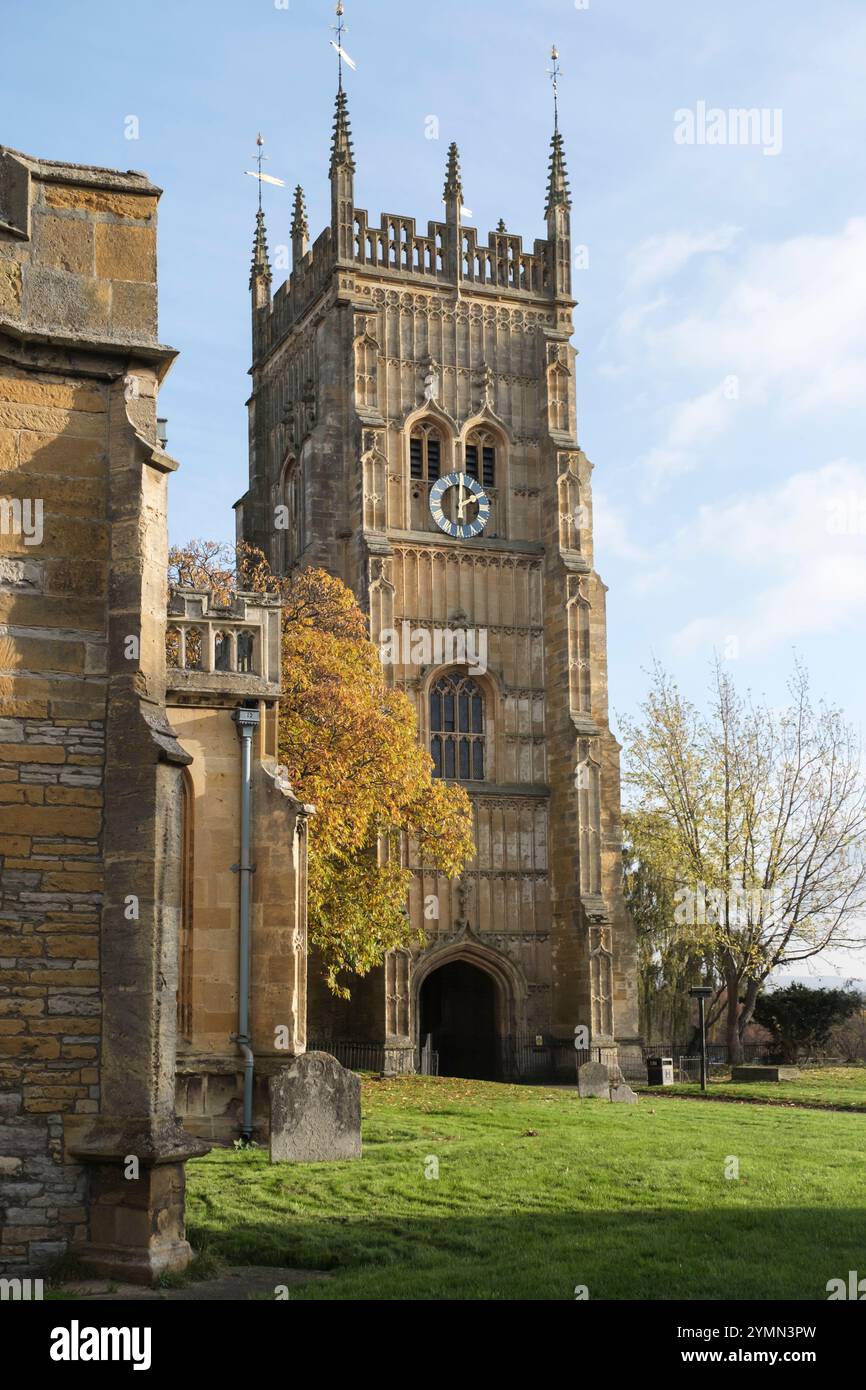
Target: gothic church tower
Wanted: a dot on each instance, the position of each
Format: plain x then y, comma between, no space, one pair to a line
413,429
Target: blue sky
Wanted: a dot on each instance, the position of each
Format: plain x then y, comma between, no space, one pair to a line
722,317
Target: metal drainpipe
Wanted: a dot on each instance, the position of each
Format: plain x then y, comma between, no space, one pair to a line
247,721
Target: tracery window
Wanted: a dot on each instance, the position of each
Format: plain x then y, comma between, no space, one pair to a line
480,457
457,729
425,453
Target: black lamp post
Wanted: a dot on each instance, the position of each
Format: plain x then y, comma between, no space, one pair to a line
702,993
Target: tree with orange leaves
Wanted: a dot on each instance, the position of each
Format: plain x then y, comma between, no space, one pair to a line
349,744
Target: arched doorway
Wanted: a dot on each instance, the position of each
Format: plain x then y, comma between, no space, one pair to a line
458,1009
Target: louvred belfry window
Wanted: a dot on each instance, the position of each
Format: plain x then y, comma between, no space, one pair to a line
457,729
480,458
425,453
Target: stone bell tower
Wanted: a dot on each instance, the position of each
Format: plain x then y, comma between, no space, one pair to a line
413,429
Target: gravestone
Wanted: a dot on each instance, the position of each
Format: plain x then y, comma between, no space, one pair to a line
753,1072
593,1079
315,1111
620,1091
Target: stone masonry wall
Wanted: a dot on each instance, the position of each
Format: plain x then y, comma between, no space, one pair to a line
88,765
52,727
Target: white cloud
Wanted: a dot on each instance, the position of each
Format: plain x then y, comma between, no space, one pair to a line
780,325
789,320
662,257
797,554
610,532
691,426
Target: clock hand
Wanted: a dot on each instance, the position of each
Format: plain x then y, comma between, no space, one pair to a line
461,500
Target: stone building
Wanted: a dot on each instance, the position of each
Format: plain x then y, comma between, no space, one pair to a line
413,429
127,735
91,1154
223,659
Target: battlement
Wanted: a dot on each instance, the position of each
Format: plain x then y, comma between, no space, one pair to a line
295,295
449,254
395,245
396,248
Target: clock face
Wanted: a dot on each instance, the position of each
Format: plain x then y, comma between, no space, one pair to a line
471,506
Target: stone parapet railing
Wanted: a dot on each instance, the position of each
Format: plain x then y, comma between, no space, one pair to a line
231,648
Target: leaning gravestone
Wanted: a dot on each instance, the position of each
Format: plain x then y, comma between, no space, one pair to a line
315,1111
593,1079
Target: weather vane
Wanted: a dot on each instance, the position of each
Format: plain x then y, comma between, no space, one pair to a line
342,56
555,73
257,172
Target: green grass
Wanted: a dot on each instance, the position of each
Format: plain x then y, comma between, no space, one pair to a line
816,1086
630,1200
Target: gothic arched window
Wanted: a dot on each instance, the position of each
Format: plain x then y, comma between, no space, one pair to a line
425,453
173,646
245,653
457,729
222,651
480,457
193,649
557,391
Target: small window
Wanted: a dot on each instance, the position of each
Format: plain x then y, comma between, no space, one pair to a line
488,465
222,652
193,649
425,454
172,647
479,458
457,729
416,456
245,652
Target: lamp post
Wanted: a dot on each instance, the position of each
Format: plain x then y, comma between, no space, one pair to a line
702,993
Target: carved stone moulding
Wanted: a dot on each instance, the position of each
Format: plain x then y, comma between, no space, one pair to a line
595,907
585,725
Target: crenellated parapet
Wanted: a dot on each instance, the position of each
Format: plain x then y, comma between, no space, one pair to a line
502,263
449,254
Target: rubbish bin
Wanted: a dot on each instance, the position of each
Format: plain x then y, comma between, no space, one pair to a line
660,1071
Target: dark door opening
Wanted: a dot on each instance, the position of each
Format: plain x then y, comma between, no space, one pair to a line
458,1010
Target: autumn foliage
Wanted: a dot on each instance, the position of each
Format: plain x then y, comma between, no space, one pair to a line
349,744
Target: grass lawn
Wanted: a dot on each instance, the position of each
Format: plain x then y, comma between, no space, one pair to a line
822,1086
539,1191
